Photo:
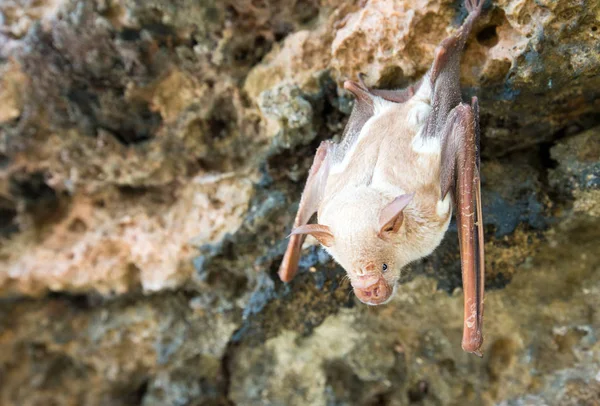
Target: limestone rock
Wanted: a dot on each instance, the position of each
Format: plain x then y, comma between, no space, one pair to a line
117,353
289,116
152,156
113,250
578,171
11,88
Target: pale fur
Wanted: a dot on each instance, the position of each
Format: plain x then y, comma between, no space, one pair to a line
389,158
380,106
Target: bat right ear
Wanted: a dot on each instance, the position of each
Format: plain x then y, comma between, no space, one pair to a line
319,231
391,217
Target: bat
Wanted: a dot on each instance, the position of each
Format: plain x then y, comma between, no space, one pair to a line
384,194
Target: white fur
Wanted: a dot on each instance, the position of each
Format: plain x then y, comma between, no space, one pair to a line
382,183
418,114
423,145
443,206
380,106
425,91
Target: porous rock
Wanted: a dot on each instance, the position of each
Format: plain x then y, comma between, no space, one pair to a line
152,156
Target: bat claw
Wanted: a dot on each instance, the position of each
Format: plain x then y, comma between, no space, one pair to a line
361,79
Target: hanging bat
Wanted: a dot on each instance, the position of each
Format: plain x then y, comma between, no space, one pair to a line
384,194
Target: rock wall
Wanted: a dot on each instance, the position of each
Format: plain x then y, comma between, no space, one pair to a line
152,156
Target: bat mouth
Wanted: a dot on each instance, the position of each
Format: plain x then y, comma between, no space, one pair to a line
375,293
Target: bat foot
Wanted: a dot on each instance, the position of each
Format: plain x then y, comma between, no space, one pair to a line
474,5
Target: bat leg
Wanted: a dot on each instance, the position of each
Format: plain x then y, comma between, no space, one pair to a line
444,75
460,158
447,54
309,204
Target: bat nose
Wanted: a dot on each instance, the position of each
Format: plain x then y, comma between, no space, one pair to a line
374,294
366,270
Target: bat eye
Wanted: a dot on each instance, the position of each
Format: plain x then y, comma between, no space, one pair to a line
384,267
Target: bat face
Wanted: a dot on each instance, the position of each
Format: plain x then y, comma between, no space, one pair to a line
384,235
372,264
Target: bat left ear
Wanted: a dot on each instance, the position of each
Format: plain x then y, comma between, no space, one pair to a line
391,217
319,231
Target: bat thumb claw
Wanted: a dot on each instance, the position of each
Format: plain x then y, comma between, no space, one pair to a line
361,79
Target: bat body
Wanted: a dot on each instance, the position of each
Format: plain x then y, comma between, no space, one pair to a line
383,195
391,158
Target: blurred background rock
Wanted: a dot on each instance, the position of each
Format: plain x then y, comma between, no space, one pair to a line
152,155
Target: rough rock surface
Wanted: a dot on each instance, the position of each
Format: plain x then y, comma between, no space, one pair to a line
152,156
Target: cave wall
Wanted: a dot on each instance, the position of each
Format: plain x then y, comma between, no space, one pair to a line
152,155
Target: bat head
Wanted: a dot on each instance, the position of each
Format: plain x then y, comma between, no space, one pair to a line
373,237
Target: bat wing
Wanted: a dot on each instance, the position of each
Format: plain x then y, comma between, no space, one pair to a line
309,204
460,176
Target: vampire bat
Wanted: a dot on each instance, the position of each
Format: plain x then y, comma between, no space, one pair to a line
383,195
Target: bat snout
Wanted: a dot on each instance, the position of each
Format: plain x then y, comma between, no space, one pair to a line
366,270
364,280
375,293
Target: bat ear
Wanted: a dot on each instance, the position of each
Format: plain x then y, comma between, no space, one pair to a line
391,217
319,231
